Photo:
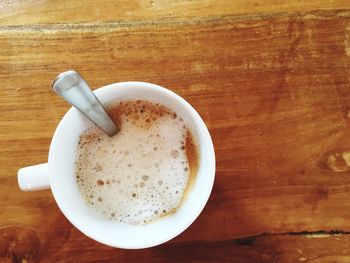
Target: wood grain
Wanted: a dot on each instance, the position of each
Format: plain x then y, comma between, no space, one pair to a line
273,90
289,248
16,12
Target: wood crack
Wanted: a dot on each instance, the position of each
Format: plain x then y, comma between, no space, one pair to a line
171,22
249,240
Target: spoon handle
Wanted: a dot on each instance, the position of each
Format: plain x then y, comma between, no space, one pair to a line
74,89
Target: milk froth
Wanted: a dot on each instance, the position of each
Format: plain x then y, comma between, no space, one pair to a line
141,173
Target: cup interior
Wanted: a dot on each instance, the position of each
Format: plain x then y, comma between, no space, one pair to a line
68,197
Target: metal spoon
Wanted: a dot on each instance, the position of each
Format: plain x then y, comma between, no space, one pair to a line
74,89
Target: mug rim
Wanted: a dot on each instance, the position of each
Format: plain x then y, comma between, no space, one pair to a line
199,125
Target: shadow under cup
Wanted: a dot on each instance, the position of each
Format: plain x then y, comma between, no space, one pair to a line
109,232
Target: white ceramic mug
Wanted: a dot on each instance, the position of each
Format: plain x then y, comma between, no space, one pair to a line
58,173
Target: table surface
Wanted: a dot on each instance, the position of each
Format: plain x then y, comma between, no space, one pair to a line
271,80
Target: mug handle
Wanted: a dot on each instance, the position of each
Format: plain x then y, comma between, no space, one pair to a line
33,178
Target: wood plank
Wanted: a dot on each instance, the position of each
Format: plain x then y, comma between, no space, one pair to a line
69,11
273,90
287,248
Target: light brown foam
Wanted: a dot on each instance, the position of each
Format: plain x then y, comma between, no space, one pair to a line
193,161
145,171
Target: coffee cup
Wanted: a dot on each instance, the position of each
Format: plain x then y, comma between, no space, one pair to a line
58,174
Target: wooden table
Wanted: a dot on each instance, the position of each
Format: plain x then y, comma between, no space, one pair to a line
270,78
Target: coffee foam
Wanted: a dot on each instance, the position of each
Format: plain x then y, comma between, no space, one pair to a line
141,173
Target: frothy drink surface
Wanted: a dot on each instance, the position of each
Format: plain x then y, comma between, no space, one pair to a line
141,173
